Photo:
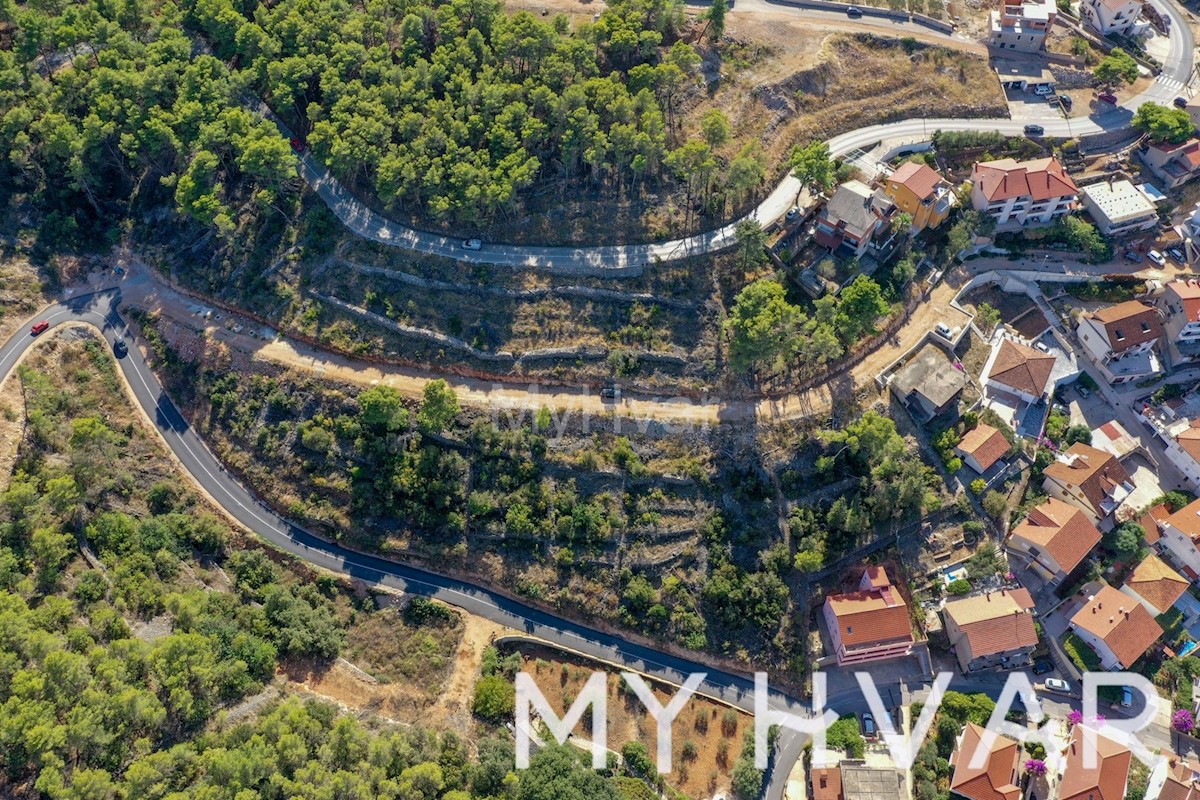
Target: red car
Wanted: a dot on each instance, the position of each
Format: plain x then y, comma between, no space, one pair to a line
298,144
1107,97
39,327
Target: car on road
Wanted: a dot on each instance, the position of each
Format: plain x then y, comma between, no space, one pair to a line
868,725
1058,685
1034,130
1134,256
39,327
298,144
1126,697
1107,97
1157,258
1042,666
612,393
1176,254
1084,392
472,244
1066,101
853,11
1180,102
120,348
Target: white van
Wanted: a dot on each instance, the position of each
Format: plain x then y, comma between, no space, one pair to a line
1043,89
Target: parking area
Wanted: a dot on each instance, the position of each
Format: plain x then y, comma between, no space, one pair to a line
1029,107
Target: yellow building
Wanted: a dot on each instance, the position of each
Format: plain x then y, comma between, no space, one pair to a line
919,191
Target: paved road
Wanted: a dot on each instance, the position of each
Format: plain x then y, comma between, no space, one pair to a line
627,260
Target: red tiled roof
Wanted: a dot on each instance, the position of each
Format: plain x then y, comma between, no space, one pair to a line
1129,324
871,615
1186,519
1094,471
1150,521
1121,622
1062,530
995,622
1023,368
1040,179
1188,293
920,179
1157,583
826,783
986,444
997,778
1106,781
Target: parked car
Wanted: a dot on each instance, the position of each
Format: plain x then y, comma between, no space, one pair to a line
853,11
1126,697
1180,102
1042,666
611,393
1034,130
792,213
472,244
1043,89
39,327
1157,258
1084,392
943,330
1134,256
1058,685
1176,254
298,144
868,725
1107,97
120,349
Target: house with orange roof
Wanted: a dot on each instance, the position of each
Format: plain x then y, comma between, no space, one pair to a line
869,624
1173,164
1023,192
1151,523
997,778
1055,537
1090,479
1102,777
1180,539
1180,309
1181,779
1122,340
1117,627
1016,370
921,192
1115,17
1155,585
994,629
982,447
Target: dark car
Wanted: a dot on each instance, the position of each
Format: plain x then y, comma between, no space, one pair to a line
1034,130
1180,102
853,11
1107,97
120,348
1066,100
39,327
1042,666
610,393
1175,253
298,144
1134,256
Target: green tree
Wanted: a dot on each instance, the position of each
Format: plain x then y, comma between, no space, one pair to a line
714,127
860,305
1117,67
752,243
987,318
716,19
1125,541
439,406
761,326
1163,124
495,698
812,166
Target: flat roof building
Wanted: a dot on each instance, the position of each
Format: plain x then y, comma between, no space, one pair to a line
1118,207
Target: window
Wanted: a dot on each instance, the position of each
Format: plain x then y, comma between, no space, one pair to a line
1120,335
1145,327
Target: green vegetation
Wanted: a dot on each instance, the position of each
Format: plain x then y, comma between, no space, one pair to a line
1125,542
1162,123
766,330
1116,67
1081,655
844,735
1076,233
987,318
812,166
959,587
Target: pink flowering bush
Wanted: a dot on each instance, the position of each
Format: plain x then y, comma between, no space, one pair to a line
1035,766
1183,721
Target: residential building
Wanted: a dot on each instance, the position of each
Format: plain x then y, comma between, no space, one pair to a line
1056,537
869,624
1176,423
1016,369
1181,779
1173,164
982,447
1023,192
852,779
1180,309
1155,585
855,221
1180,539
1090,479
1112,438
929,384
1102,777
1022,25
1115,17
1121,340
994,629
1118,207
997,778
1117,627
920,191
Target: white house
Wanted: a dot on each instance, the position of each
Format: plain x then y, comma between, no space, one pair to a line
1179,305
1023,192
1022,25
1117,627
1180,536
1115,17
1118,207
1121,340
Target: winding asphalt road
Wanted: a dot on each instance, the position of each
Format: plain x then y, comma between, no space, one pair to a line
100,310
626,260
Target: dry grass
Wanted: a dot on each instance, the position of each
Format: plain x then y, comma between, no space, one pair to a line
394,647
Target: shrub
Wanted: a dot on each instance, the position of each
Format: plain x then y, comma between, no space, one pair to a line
959,587
978,486
495,698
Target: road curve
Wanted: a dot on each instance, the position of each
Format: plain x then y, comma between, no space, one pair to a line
631,259
100,310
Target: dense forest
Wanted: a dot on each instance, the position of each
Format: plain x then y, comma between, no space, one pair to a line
134,625
442,109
